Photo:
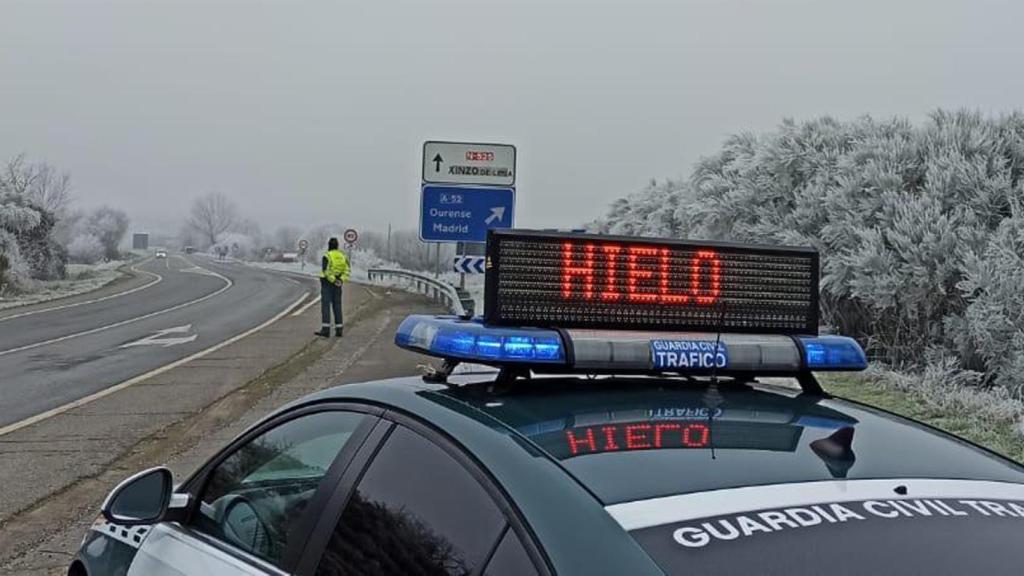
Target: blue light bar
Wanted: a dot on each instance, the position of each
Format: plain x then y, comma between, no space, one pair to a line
471,341
825,353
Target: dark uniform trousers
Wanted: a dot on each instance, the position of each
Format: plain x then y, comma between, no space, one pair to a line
330,299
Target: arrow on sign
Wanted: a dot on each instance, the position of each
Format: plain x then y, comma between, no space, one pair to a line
437,162
159,339
497,213
469,264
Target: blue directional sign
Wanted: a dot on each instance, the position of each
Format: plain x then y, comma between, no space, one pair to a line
469,264
464,213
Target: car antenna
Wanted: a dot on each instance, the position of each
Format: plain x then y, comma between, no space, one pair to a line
712,398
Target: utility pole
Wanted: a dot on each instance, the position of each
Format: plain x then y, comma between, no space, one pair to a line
460,249
389,241
437,260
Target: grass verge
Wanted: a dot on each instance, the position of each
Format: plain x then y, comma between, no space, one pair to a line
1001,435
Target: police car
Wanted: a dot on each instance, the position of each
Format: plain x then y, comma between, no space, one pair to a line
651,408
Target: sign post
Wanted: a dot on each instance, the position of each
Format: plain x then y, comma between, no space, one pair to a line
349,236
303,246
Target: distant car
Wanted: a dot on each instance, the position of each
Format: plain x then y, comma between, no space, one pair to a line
615,451
161,254
190,249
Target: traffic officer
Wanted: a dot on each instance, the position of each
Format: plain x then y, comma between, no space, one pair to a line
333,273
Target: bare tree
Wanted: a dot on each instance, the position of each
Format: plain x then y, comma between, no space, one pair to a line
212,215
108,225
16,176
50,189
41,184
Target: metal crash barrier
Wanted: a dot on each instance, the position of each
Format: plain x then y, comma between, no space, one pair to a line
458,302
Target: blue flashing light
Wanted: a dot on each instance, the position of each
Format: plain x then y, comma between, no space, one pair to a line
824,353
472,341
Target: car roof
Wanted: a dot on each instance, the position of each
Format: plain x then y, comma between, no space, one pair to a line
760,433
518,433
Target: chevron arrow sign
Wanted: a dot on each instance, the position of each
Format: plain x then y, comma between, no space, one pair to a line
469,264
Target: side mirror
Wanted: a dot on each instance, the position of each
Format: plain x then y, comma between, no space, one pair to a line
141,499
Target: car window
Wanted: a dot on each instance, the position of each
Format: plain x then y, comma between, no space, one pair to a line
415,511
510,559
254,498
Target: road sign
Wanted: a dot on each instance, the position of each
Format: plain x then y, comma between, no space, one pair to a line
469,264
463,213
469,164
350,236
303,245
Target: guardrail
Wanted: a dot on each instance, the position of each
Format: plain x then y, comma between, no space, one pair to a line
460,304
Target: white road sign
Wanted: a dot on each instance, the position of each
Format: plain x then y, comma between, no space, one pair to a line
468,163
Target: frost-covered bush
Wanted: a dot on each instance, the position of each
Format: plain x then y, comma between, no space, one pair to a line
919,227
85,249
26,244
993,324
407,251
317,236
108,225
236,245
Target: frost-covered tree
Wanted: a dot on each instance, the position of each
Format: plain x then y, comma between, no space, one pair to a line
25,242
286,238
236,245
212,215
918,226
85,249
317,237
407,251
108,225
32,197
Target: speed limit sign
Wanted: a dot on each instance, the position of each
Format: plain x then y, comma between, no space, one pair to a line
303,244
351,236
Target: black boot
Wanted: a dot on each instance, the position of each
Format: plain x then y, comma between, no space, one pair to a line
324,333
337,331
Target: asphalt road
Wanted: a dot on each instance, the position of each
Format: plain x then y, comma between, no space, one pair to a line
56,354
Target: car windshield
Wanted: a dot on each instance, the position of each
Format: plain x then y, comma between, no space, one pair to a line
637,438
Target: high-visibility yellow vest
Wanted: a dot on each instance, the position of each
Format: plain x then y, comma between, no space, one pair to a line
337,267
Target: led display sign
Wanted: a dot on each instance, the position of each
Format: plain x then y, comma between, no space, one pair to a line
668,435
593,281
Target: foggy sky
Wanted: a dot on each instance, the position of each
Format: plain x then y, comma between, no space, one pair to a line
308,111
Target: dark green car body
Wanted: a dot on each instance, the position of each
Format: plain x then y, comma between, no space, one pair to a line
567,458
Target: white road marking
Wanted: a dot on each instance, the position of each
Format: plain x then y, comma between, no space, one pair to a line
228,284
159,338
142,377
684,507
158,280
306,307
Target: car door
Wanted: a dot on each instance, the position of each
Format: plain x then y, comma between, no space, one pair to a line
254,503
420,507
